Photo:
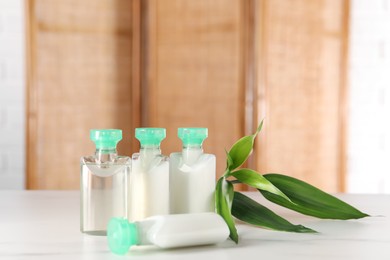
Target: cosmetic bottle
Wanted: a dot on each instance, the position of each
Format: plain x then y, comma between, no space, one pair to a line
168,231
149,180
192,174
103,183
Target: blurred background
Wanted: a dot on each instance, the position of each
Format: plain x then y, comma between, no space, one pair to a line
316,71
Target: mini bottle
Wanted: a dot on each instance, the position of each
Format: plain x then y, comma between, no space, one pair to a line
192,174
168,231
149,181
103,183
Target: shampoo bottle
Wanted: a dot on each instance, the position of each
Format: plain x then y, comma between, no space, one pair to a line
192,174
103,183
167,231
149,181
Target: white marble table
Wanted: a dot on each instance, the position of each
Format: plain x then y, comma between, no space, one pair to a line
45,225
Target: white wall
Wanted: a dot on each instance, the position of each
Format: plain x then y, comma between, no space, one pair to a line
12,94
369,109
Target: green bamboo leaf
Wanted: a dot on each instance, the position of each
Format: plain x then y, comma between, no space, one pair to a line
229,161
224,194
309,200
256,180
251,212
259,127
229,194
241,150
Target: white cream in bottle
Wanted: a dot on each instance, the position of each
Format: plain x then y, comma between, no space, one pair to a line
168,231
149,179
192,174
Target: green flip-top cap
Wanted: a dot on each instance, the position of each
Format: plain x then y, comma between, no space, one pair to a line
121,235
106,138
150,136
192,135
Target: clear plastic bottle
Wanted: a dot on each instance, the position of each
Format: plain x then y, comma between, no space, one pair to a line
149,181
169,231
192,174
103,183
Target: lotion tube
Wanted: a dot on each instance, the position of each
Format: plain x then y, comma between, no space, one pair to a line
192,174
167,231
149,180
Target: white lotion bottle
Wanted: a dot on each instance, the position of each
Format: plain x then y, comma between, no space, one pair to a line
149,179
192,174
168,231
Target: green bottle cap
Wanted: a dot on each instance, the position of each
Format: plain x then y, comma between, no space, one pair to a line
150,136
192,136
121,235
106,138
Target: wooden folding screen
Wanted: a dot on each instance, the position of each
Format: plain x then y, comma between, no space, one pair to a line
221,64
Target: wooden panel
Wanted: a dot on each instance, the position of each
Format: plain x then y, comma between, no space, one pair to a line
195,70
79,77
301,93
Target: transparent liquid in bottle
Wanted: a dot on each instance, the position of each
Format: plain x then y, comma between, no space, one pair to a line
103,186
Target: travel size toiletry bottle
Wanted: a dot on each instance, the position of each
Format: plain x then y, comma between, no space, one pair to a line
149,181
192,174
167,231
103,183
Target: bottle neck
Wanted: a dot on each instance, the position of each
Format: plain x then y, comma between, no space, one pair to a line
148,153
147,150
191,153
106,154
143,229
